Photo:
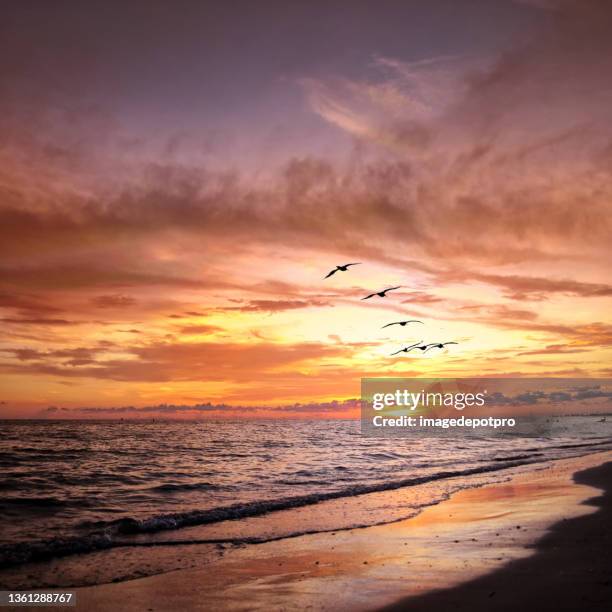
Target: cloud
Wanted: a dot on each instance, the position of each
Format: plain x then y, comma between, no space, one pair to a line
586,335
421,298
163,409
278,305
486,164
37,321
194,361
554,349
26,304
502,311
336,408
116,300
502,172
92,274
533,398
527,287
200,329
85,354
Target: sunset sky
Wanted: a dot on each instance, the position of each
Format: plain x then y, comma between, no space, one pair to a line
176,179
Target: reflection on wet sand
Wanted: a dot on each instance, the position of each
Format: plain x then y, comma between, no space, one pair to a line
473,533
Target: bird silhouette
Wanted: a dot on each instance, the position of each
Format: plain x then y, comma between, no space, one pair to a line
380,293
342,268
407,348
439,345
402,323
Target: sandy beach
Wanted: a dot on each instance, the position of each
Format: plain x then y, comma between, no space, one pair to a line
538,541
570,570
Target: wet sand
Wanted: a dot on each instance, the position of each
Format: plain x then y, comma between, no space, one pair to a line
475,550
571,570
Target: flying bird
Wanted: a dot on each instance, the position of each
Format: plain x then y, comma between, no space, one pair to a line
380,293
402,323
438,345
407,348
343,268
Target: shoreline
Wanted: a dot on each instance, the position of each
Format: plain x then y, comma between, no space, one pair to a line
570,570
467,538
193,546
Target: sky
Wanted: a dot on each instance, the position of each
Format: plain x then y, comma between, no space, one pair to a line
176,179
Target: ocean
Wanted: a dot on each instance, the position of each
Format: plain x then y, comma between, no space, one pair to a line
81,486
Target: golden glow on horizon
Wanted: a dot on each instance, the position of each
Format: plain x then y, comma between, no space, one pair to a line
324,349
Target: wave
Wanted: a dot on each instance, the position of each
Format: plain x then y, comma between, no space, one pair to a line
517,457
108,533
100,535
173,487
34,502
